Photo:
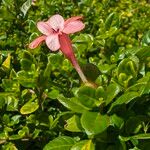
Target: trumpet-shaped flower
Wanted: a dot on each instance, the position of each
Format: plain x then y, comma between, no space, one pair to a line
55,33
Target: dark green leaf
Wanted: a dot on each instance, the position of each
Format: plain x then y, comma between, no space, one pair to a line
125,98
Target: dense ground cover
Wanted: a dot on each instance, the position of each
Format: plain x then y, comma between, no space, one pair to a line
44,104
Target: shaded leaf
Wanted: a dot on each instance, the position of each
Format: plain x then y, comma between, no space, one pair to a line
125,98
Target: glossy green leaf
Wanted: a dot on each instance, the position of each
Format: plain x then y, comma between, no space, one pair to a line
112,90
94,123
10,85
106,68
73,124
12,103
6,63
83,145
29,107
86,96
73,104
27,79
53,94
60,143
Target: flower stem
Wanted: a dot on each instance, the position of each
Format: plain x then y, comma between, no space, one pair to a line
79,70
66,48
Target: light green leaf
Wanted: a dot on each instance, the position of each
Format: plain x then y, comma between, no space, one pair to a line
86,95
6,63
94,123
142,136
73,124
72,104
112,90
84,145
60,143
27,79
29,107
26,6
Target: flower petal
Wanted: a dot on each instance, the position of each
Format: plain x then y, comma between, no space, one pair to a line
44,28
56,22
73,19
73,26
35,43
52,42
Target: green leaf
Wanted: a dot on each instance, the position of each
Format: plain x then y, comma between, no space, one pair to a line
27,79
112,90
83,42
86,96
15,137
142,86
25,64
146,38
12,103
105,68
26,6
53,94
14,120
133,125
144,52
73,124
29,107
112,20
6,63
145,136
83,145
116,120
10,85
141,52
125,98
129,66
142,136
73,104
60,143
94,123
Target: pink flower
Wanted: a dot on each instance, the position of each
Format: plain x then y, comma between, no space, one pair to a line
55,33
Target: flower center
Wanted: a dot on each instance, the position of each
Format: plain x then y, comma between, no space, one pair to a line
57,31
